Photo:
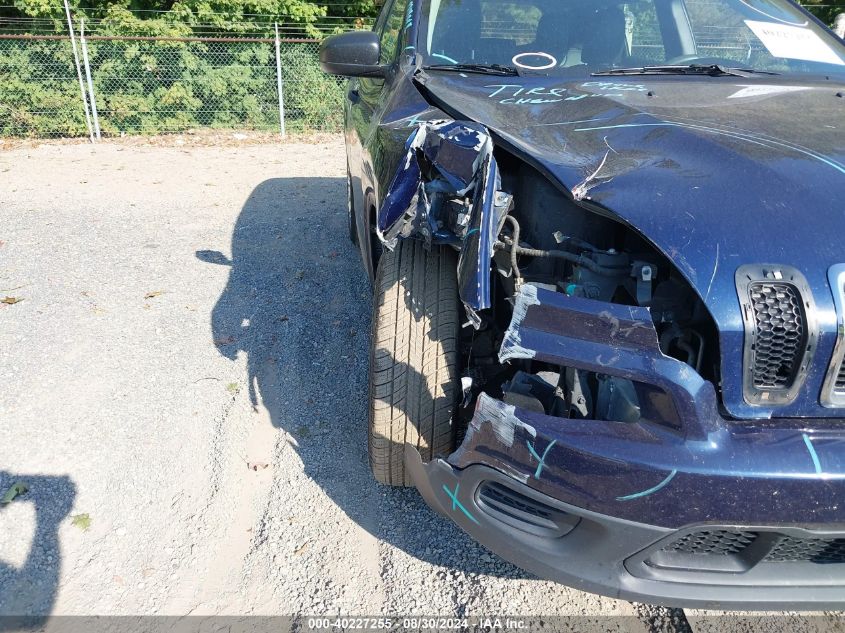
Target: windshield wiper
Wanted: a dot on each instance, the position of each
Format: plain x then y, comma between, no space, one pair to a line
712,70
484,69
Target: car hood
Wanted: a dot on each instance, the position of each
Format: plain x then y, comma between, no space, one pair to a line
715,172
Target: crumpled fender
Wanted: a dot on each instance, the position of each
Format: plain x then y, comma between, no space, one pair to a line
710,174
444,160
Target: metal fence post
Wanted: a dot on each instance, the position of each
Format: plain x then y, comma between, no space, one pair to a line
78,71
278,83
88,77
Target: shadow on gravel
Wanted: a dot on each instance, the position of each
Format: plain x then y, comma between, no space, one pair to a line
298,304
29,591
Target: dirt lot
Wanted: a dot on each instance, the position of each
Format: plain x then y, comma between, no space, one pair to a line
182,389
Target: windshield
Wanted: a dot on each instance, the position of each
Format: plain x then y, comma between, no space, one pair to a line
579,37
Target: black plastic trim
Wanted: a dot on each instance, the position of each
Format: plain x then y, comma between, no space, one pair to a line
832,396
774,273
523,512
746,568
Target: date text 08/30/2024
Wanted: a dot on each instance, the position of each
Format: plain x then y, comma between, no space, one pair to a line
478,623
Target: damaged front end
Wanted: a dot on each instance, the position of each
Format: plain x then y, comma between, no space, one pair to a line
517,234
592,438
447,191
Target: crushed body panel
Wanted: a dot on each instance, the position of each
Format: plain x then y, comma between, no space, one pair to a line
447,161
643,469
653,154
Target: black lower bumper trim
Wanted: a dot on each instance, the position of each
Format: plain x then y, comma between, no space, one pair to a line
595,552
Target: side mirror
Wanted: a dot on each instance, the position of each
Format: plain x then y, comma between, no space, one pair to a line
213,257
352,54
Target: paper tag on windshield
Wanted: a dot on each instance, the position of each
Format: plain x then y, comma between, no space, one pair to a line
793,42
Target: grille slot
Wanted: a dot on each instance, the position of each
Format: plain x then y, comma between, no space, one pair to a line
737,550
523,512
822,551
780,334
501,497
833,391
718,542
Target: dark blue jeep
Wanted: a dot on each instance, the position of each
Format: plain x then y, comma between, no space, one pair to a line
608,249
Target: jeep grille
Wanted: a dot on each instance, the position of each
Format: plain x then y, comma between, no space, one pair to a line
780,334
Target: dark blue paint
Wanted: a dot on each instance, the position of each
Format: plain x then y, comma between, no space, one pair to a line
541,459
401,191
815,456
618,340
712,181
737,474
753,471
477,249
652,490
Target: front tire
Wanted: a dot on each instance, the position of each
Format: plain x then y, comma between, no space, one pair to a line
413,382
350,209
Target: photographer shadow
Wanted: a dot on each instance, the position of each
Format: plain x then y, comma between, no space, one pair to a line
28,592
298,305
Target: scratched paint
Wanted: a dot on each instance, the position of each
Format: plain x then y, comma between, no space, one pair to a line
701,176
582,189
649,491
749,138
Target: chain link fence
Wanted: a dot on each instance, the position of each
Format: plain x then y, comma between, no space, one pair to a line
142,84
151,85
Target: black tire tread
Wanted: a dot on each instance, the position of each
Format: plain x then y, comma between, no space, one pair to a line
414,359
350,209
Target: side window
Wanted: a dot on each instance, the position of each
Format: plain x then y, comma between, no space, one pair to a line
382,17
391,36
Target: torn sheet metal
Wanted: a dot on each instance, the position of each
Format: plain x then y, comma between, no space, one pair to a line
446,191
615,339
647,154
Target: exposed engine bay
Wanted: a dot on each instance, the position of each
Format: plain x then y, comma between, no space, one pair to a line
457,188
546,240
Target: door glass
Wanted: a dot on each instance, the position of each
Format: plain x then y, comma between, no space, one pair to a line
391,36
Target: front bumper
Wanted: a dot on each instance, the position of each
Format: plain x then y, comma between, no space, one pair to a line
611,556
709,513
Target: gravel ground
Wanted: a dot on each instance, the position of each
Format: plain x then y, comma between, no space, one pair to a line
182,389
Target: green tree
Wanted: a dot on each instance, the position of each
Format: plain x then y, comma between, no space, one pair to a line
178,17
825,10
